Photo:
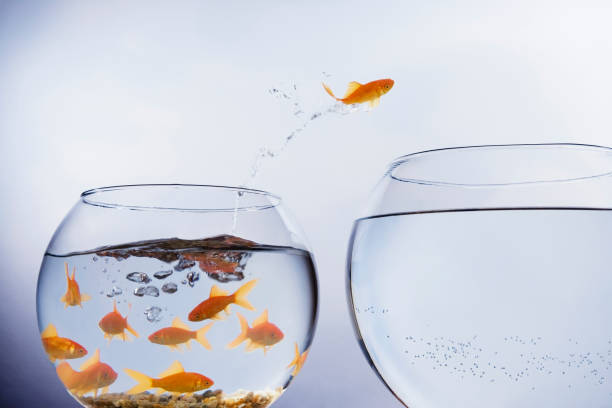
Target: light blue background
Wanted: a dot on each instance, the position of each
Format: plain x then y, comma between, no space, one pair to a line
96,93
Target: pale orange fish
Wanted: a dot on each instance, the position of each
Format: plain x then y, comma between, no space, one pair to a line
93,376
73,296
174,380
360,93
113,324
60,348
298,361
263,334
219,300
180,333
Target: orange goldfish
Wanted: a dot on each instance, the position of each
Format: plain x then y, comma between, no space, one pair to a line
73,296
174,380
219,301
113,324
93,375
360,93
263,334
298,361
60,348
179,333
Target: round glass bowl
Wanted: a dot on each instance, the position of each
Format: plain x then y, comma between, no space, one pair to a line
177,295
482,277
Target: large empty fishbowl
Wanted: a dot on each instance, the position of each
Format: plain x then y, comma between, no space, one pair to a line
177,296
482,277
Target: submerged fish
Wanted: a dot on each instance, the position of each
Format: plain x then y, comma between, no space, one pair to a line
60,348
180,333
73,296
263,334
298,361
360,93
174,380
93,376
113,324
219,301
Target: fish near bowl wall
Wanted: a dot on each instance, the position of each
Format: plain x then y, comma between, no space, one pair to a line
176,293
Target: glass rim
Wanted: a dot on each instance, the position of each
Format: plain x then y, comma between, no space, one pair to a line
402,160
274,200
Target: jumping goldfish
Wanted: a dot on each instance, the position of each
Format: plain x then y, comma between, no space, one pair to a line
360,93
263,334
113,324
219,301
174,380
180,333
93,375
60,348
73,296
298,361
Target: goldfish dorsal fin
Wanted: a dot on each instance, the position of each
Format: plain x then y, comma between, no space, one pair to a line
50,331
93,360
352,87
179,324
73,272
261,319
115,306
215,291
67,272
175,368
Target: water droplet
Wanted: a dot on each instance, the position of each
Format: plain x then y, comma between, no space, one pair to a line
163,274
95,259
153,313
169,287
139,277
151,291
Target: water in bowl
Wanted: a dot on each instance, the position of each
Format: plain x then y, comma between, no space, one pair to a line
487,308
156,285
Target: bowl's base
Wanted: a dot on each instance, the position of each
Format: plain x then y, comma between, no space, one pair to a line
209,399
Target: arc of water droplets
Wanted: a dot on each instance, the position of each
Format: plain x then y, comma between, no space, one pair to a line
269,153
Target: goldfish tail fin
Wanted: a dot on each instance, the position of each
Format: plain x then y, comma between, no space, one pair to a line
240,297
329,91
201,336
144,382
297,357
131,329
244,328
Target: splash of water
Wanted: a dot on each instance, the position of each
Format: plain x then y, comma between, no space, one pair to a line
291,95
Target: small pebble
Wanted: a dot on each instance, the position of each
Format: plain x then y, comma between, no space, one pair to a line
183,264
192,277
163,274
139,277
169,287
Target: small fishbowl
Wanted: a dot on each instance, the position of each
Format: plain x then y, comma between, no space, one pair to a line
177,296
482,277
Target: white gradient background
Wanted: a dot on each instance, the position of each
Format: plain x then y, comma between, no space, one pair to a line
96,93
